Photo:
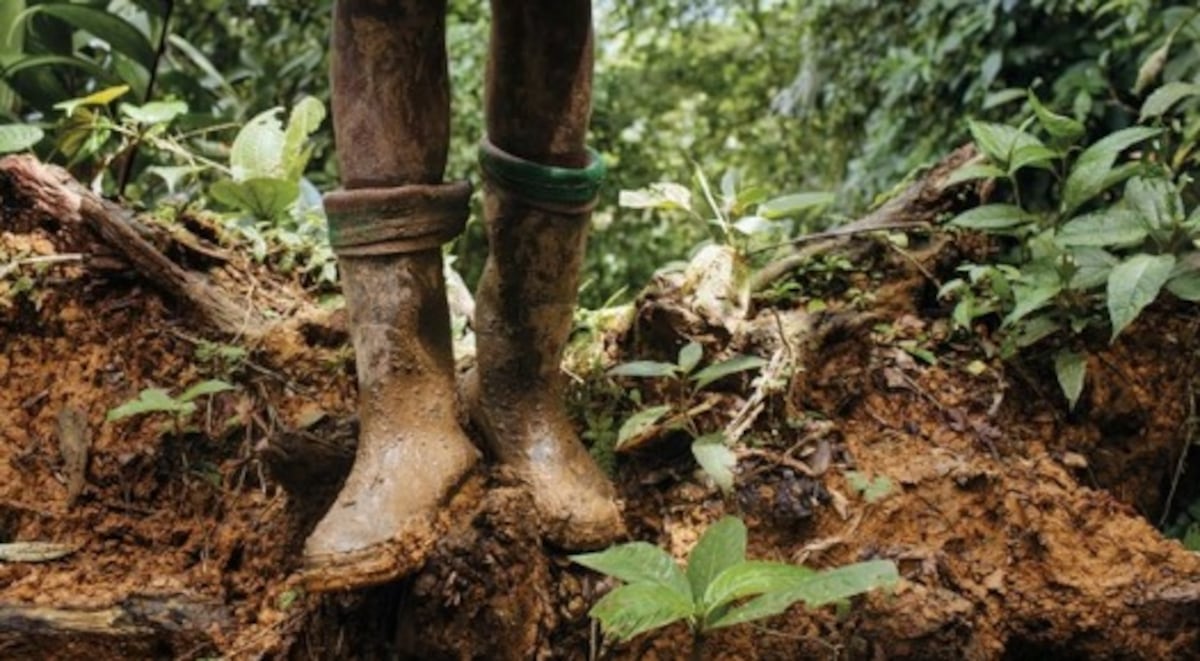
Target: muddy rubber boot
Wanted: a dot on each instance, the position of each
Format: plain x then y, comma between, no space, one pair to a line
387,226
540,188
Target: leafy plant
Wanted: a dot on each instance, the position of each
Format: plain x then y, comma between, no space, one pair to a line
686,380
719,588
1080,255
159,400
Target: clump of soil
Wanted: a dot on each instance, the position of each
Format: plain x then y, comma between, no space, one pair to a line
1019,529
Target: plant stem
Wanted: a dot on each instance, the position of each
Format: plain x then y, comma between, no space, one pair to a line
127,168
697,645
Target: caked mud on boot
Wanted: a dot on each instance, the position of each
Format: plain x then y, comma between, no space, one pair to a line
524,311
413,462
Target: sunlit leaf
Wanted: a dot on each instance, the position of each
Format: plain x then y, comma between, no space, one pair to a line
726,367
644,369
150,400
794,204
210,387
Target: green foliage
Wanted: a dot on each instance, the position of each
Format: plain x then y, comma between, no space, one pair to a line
158,400
719,588
1094,229
711,451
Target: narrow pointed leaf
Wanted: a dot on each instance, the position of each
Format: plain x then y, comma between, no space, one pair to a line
973,172
1165,97
796,203
639,423
992,217
210,387
722,546
1058,126
1133,285
1071,369
725,368
644,369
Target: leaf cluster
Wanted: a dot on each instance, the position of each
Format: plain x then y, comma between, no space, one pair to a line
720,587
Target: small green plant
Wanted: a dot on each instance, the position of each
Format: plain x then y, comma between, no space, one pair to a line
685,382
720,587
1079,255
158,400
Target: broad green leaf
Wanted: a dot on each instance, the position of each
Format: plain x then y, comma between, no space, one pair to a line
796,203
100,98
751,225
1030,299
661,195
639,423
18,137
972,172
123,37
1033,156
1155,200
689,357
821,588
150,400
210,387
746,579
1058,126
639,562
644,369
257,150
716,459
633,609
1185,286
725,368
722,546
155,112
263,198
992,217
173,175
305,119
1163,98
1091,173
1000,142
1134,284
1113,226
1092,267
1035,329
1071,369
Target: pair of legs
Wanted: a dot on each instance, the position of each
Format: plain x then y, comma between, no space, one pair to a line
391,120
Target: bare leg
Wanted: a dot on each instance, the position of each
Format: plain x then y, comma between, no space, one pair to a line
538,105
391,109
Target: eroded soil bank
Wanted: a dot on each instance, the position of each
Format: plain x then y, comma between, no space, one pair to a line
1021,530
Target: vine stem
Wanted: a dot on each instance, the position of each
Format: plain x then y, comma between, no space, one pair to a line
127,167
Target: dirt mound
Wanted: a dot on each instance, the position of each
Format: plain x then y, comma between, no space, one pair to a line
1020,530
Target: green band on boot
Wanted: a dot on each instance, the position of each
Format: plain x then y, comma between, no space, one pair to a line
544,183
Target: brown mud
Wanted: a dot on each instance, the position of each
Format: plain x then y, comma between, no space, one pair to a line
1021,530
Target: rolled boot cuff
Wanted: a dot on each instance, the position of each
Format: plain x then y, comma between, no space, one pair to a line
556,189
383,221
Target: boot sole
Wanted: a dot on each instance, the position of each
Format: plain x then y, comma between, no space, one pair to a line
403,554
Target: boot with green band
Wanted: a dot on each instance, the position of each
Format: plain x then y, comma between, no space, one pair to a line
537,218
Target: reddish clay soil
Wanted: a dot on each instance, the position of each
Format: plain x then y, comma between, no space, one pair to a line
1021,531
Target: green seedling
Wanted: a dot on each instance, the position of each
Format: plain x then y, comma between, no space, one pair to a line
720,587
